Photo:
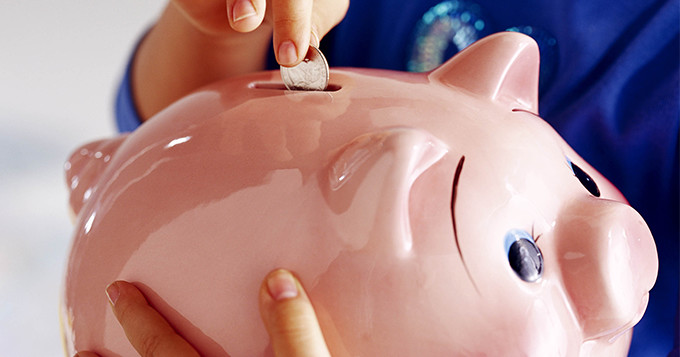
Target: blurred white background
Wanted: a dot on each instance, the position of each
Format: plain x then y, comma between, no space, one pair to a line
60,63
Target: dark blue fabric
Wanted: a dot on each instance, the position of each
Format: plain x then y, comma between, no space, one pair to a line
127,117
613,95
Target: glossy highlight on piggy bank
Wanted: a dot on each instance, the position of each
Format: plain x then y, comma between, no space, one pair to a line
430,214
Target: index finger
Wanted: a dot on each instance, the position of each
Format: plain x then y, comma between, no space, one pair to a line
297,23
148,332
292,29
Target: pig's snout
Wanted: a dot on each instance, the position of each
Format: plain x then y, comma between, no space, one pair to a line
608,263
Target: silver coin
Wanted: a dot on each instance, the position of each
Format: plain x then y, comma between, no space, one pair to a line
310,74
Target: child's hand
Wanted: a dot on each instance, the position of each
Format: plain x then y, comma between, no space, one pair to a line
284,306
296,23
198,42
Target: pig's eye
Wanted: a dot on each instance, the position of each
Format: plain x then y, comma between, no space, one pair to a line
585,179
524,256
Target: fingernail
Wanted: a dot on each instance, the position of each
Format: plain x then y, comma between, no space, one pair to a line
281,285
287,53
243,9
112,292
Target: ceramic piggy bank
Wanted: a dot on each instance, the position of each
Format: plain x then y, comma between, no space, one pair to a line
430,214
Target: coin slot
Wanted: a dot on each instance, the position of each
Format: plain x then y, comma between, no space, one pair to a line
332,88
281,86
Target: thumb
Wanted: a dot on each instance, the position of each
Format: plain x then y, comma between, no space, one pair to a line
289,317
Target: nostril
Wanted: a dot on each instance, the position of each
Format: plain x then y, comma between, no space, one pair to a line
608,264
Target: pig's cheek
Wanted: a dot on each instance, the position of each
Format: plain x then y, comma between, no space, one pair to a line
541,316
546,330
430,211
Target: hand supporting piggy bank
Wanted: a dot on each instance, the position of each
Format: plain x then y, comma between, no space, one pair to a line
427,215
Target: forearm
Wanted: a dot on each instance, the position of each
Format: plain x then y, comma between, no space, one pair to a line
176,58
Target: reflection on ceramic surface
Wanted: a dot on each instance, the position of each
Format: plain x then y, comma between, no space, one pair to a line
427,214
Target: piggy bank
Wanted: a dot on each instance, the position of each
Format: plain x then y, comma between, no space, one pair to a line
429,214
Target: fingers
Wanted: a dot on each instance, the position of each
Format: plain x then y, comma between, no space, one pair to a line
297,22
148,332
292,29
289,317
245,15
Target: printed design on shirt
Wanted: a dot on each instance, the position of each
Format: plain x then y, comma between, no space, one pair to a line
443,31
450,26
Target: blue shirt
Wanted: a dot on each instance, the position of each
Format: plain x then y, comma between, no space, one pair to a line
609,85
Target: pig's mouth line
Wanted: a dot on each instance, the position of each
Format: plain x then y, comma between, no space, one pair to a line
454,195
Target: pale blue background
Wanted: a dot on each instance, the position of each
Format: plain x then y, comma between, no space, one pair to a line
59,65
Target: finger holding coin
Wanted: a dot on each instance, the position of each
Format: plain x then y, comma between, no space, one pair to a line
312,74
299,23
292,29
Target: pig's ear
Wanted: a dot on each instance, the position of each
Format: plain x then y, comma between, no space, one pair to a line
369,185
503,67
84,168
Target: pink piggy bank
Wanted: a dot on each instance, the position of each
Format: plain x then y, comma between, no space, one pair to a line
430,214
